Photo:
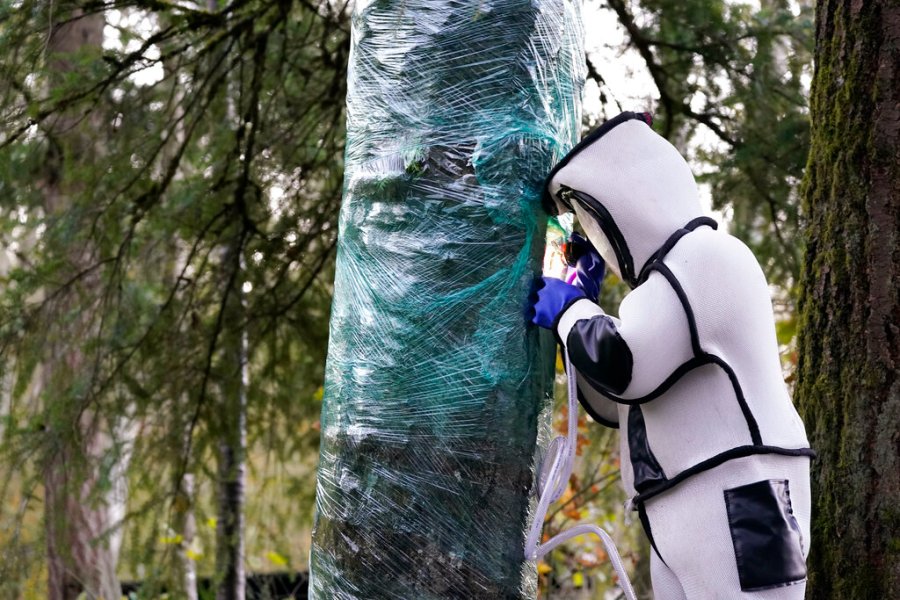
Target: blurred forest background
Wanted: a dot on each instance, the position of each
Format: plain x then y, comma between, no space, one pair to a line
170,179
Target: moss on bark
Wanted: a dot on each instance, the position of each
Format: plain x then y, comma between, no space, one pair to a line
848,389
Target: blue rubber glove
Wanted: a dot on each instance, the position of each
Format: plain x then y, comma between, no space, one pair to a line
587,263
553,295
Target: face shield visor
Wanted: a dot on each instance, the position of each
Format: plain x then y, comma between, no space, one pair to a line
595,234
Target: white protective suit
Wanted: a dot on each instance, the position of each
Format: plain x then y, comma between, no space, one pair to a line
715,458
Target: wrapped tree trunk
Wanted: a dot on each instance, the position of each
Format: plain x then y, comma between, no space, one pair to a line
849,345
434,384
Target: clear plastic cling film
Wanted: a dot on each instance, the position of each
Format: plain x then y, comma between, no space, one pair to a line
435,384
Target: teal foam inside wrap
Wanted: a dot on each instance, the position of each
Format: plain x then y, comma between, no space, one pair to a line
435,383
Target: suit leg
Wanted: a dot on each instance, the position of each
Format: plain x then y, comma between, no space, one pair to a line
665,584
691,527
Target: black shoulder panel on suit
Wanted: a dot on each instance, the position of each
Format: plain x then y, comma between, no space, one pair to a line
600,354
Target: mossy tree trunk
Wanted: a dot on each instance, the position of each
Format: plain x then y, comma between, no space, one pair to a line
849,345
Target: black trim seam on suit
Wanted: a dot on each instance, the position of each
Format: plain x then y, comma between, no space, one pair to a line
715,461
677,374
670,243
699,359
547,200
685,367
664,270
645,523
752,425
585,404
620,245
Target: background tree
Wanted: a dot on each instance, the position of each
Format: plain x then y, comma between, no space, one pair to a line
177,184
848,388
728,87
85,459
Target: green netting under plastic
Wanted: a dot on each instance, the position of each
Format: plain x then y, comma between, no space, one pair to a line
435,384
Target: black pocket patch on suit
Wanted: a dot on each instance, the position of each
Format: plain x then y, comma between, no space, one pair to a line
765,534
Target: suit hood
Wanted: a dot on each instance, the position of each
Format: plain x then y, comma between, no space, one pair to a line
630,189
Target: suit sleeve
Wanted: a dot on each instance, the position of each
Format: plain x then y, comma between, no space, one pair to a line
629,357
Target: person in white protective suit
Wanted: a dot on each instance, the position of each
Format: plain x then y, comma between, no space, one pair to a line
715,458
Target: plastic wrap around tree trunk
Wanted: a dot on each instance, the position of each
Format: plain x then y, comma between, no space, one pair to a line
435,384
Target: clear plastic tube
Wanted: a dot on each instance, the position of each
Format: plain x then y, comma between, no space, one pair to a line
561,459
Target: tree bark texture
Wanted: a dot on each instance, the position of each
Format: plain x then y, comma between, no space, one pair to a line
230,572
183,577
435,383
849,389
234,375
84,472
184,523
